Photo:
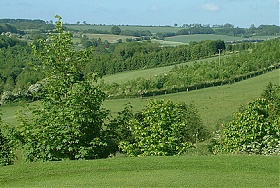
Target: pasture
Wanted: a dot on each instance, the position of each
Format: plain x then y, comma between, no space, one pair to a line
110,38
202,37
173,171
215,105
152,29
122,77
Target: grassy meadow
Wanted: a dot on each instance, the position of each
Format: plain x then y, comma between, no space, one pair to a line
182,171
202,37
152,29
122,77
110,38
215,105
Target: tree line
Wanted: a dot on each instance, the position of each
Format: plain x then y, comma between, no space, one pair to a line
230,30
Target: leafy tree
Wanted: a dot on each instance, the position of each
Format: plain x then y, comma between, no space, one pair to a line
69,123
255,129
163,128
115,30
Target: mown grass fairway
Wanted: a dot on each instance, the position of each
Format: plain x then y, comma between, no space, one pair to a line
182,171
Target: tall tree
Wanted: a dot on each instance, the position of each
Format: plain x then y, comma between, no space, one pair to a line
69,124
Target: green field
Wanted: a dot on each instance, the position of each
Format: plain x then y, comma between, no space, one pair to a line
152,29
183,171
146,73
216,104
202,37
110,38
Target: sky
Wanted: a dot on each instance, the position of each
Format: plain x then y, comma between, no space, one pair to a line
240,13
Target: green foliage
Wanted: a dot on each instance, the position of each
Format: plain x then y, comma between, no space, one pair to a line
16,72
120,125
7,28
115,30
257,59
6,41
255,129
69,124
26,24
163,128
6,150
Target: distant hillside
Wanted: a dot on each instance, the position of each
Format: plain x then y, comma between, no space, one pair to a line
26,24
4,28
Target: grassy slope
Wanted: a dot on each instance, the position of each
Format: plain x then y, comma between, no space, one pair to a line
146,73
183,171
215,105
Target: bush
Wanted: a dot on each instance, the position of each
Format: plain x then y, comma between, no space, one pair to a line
163,128
255,129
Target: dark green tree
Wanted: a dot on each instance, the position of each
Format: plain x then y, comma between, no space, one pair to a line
115,30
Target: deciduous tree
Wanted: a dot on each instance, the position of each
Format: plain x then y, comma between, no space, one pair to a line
69,123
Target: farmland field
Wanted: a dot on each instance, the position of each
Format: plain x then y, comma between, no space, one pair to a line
202,37
146,73
182,171
110,38
152,29
215,105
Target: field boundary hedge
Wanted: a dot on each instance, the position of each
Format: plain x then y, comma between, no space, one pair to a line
208,84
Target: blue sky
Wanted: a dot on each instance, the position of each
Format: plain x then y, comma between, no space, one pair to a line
241,13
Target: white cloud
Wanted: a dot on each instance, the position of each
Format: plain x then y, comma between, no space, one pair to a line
210,7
